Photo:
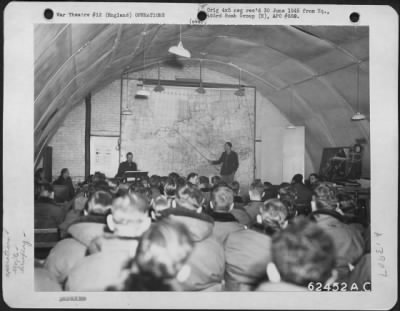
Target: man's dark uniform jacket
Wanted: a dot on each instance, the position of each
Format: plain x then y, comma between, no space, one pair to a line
126,166
230,162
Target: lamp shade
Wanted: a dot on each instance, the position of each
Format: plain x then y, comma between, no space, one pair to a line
179,50
358,117
126,112
158,88
201,90
239,92
142,93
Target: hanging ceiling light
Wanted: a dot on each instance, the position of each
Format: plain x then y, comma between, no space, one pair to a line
179,49
143,93
291,126
126,111
200,89
358,116
240,90
158,88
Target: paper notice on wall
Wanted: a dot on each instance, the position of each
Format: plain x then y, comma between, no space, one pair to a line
104,155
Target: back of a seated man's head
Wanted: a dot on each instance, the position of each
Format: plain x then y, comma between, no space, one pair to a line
325,197
129,215
193,178
215,180
267,185
64,172
297,179
303,253
287,193
273,215
174,239
173,175
101,185
160,258
159,204
190,197
138,187
222,199
314,178
256,190
99,176
170,187
99,202
235,187
155,181
46,191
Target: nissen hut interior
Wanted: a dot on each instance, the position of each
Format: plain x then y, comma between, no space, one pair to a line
201,158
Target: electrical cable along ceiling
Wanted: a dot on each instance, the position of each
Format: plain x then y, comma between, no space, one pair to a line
309,73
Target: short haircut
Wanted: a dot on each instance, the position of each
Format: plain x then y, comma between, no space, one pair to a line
235,187
101,185
100,175
155,181
229,144
315,175
180,181
102,198
273,213
222,198
128,206
288,195
139,188
256,188
121,192
173,175
325,196
171,236
303,253
160,203
129,154
215,179
160,255
189,196
298,178
191,175
170,187
267,184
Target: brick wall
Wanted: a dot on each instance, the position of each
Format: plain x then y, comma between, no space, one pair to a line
106,110
69,144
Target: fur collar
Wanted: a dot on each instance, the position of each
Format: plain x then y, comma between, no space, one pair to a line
200,225
181,211
223,217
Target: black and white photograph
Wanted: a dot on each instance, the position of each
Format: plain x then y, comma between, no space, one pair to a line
202,157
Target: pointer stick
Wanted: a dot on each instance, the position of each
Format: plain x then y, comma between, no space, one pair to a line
194,147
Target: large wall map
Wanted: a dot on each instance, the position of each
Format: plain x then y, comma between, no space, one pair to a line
178,129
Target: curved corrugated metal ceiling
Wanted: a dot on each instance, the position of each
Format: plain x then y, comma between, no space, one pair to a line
315,66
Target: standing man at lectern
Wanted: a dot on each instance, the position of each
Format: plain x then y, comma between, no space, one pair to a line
230,163
128,165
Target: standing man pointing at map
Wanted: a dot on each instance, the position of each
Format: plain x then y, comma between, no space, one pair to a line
230,163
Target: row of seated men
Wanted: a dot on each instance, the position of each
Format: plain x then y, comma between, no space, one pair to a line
176,236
